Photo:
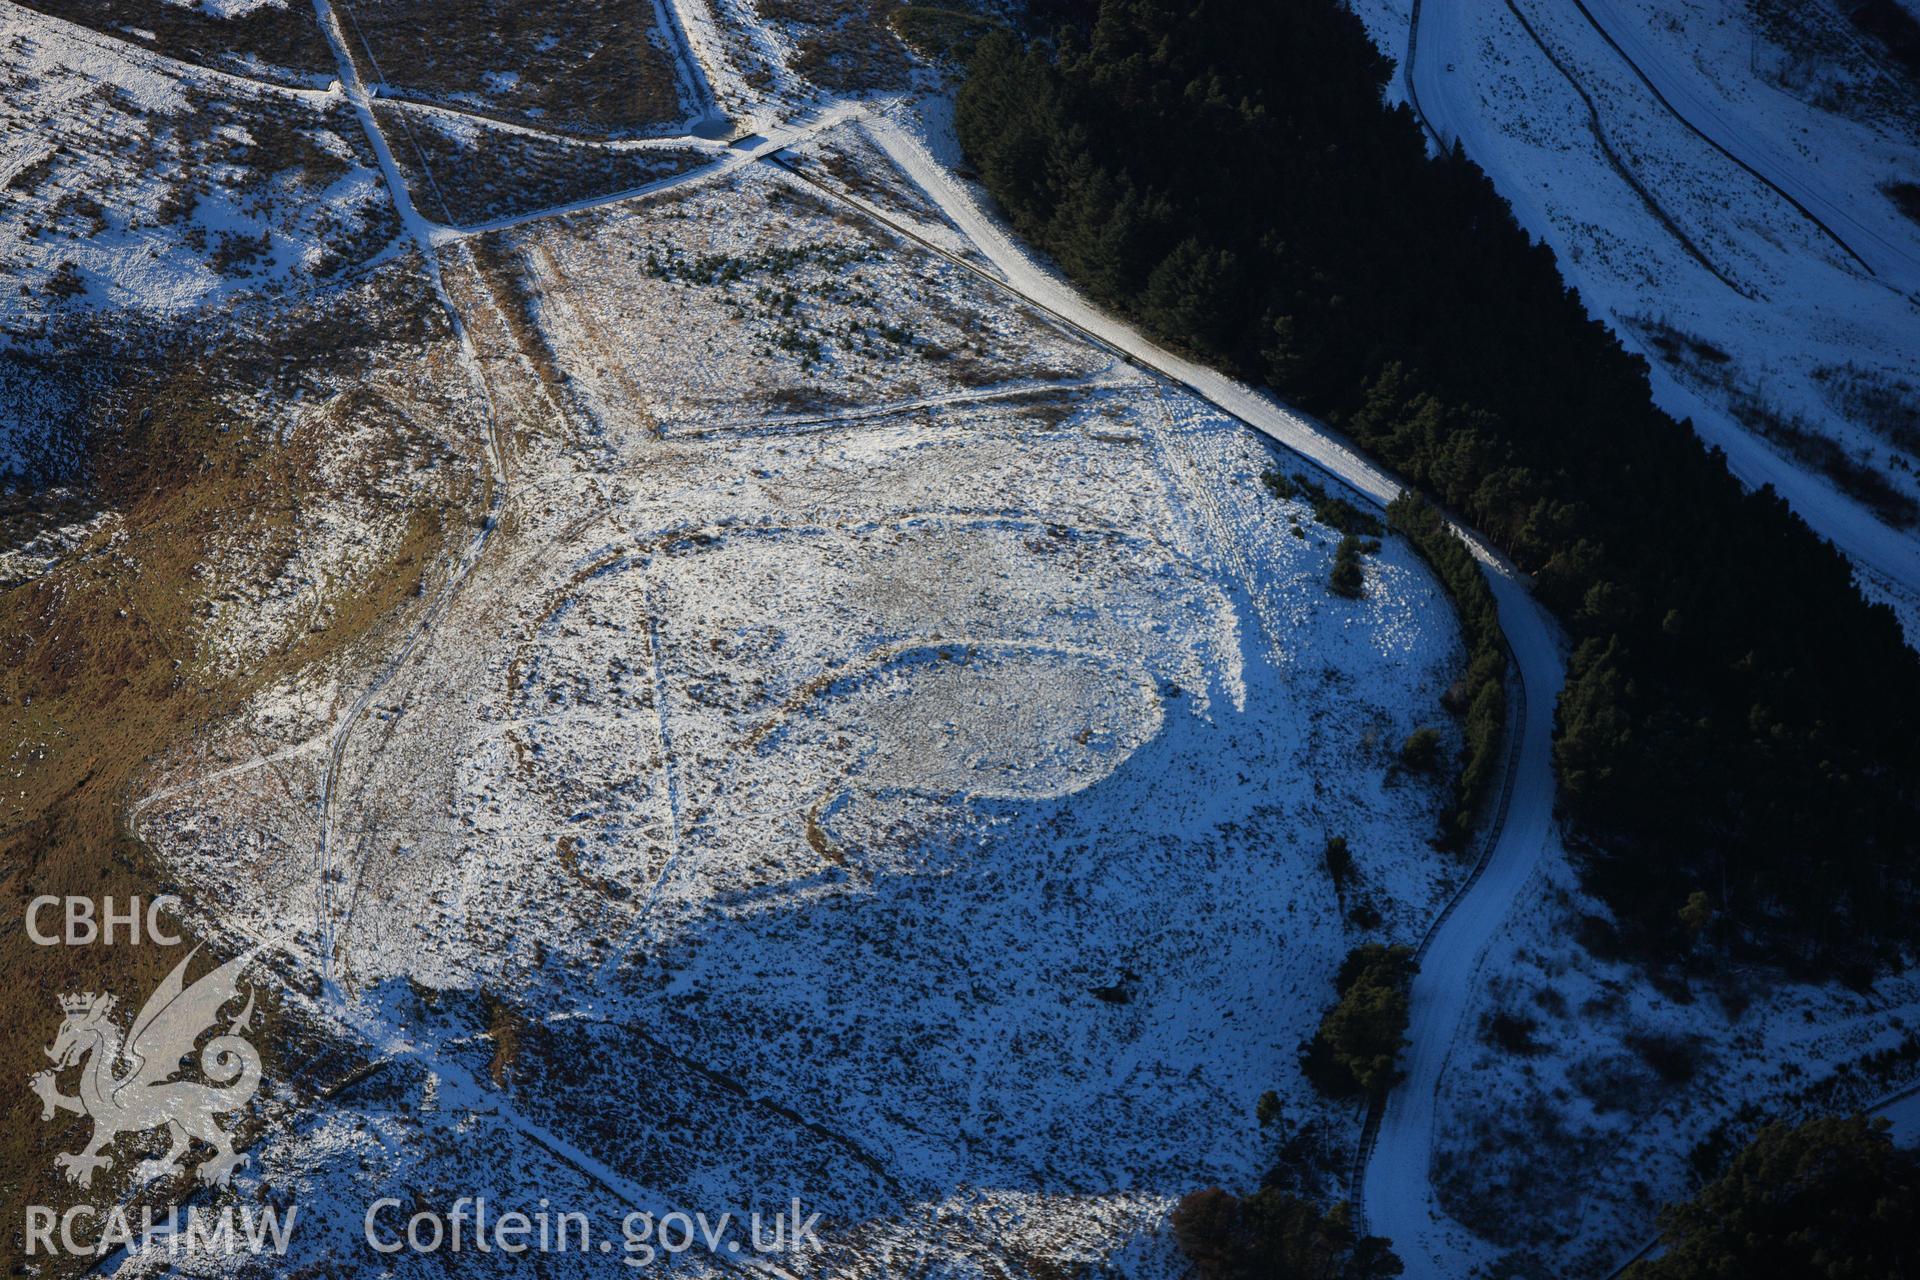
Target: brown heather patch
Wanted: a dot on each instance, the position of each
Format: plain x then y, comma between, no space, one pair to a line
590,67
504,1025
281,36
104,662
843,44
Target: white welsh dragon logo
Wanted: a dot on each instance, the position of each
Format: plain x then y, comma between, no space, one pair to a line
127,1087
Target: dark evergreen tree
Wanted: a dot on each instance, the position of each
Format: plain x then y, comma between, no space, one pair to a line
1357,1047
1833,1198
1271,1235
1347,577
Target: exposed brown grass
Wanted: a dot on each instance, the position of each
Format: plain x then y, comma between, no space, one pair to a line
504,1025
944,35
818,839
99,675
859,50
844,44
105,660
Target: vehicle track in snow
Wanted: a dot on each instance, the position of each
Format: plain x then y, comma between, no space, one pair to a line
1597,127
423,235
1767,169
1765,173
1863,537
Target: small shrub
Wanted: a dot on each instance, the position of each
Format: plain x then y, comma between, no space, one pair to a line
1511,1033
1278,484
1696,914
1614,1084
1421,751
1337,513
1906,195
30,176
66,282
1339,860
236,254
1347,577
1674,1059
1358,1044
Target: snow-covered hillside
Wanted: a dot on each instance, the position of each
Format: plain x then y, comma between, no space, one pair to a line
721,678
1743,233
1586,1091
876,700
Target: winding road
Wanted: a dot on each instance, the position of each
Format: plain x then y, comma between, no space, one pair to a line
1396,1197
1394,1193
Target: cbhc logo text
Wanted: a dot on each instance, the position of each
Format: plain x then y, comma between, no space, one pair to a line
84,925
